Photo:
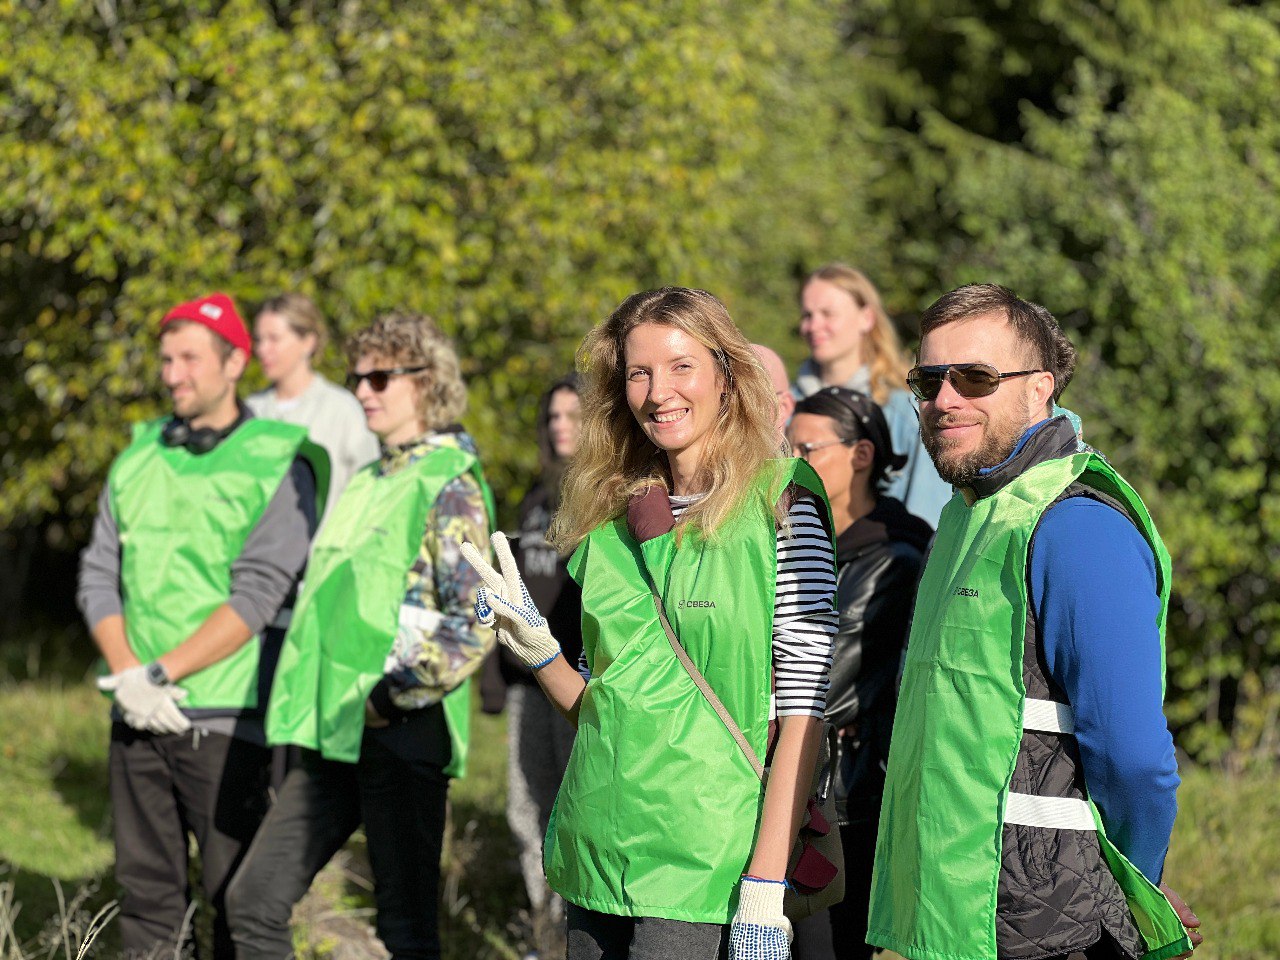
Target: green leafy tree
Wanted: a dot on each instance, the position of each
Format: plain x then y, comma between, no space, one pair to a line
513,170
1120,166
819,186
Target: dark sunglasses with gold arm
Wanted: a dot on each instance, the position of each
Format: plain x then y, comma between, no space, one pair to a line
970,380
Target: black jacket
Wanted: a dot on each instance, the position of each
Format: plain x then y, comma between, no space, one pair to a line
878,562
554,593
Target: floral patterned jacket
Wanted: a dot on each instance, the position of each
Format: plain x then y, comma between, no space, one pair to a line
438,643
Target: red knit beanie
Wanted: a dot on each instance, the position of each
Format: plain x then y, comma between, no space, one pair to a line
216,312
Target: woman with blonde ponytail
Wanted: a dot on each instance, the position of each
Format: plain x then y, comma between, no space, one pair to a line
663,841
853,344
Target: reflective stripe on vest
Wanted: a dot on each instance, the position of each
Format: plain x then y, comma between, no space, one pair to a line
1052,813
1047,716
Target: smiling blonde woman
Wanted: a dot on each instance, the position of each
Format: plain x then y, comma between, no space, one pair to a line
662,833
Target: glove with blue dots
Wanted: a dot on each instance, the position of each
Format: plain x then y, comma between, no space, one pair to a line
504,604
760,930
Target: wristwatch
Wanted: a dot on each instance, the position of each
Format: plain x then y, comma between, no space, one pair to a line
157,674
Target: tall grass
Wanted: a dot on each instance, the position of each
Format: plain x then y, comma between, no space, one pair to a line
54,836
1225,860
73,931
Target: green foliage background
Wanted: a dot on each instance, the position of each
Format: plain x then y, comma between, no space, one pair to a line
515,168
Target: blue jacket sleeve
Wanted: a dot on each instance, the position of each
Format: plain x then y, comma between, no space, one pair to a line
1093,591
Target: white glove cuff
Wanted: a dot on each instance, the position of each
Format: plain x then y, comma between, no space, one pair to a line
760,902
536,653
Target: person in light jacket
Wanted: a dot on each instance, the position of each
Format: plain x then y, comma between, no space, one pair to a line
289,332
852,343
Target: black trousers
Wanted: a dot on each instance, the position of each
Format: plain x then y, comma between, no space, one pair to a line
162,788
398,790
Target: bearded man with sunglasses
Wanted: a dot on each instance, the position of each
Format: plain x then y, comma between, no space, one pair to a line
1031,780
202,532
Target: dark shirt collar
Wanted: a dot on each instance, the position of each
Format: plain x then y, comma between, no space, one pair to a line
1047,440
888,522
243,413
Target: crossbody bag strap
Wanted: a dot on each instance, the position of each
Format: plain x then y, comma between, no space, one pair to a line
701,682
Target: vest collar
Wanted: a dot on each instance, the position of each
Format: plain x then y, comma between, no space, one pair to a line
1047,440
396,457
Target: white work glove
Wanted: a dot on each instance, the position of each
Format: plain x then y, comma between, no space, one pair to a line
144,704
504,604
760,930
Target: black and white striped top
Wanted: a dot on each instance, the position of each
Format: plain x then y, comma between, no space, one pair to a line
804,616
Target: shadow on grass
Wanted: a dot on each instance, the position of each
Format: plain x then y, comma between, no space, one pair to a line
83,786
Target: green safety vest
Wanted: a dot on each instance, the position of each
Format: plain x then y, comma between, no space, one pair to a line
346,618
658,809
959,725
183,520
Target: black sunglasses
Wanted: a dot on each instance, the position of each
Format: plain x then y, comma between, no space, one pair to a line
969,379
378,379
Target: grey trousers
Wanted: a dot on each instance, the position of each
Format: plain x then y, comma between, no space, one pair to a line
602,936
539,744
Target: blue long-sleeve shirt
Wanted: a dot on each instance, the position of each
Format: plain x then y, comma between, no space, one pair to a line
1093,593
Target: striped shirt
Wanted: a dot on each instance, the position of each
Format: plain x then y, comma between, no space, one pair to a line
804,615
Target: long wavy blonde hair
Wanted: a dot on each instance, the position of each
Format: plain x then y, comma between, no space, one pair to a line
881,348
616,460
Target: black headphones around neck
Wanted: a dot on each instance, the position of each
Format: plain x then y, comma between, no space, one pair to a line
198,440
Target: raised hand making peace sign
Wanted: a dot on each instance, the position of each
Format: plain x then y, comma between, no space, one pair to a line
504,603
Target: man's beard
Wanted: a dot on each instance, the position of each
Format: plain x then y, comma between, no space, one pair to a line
197,405
999,438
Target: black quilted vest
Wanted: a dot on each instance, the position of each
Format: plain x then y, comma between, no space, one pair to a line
1055,894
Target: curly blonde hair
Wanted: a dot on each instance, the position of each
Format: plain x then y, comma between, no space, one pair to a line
413,340
881,348
616,460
